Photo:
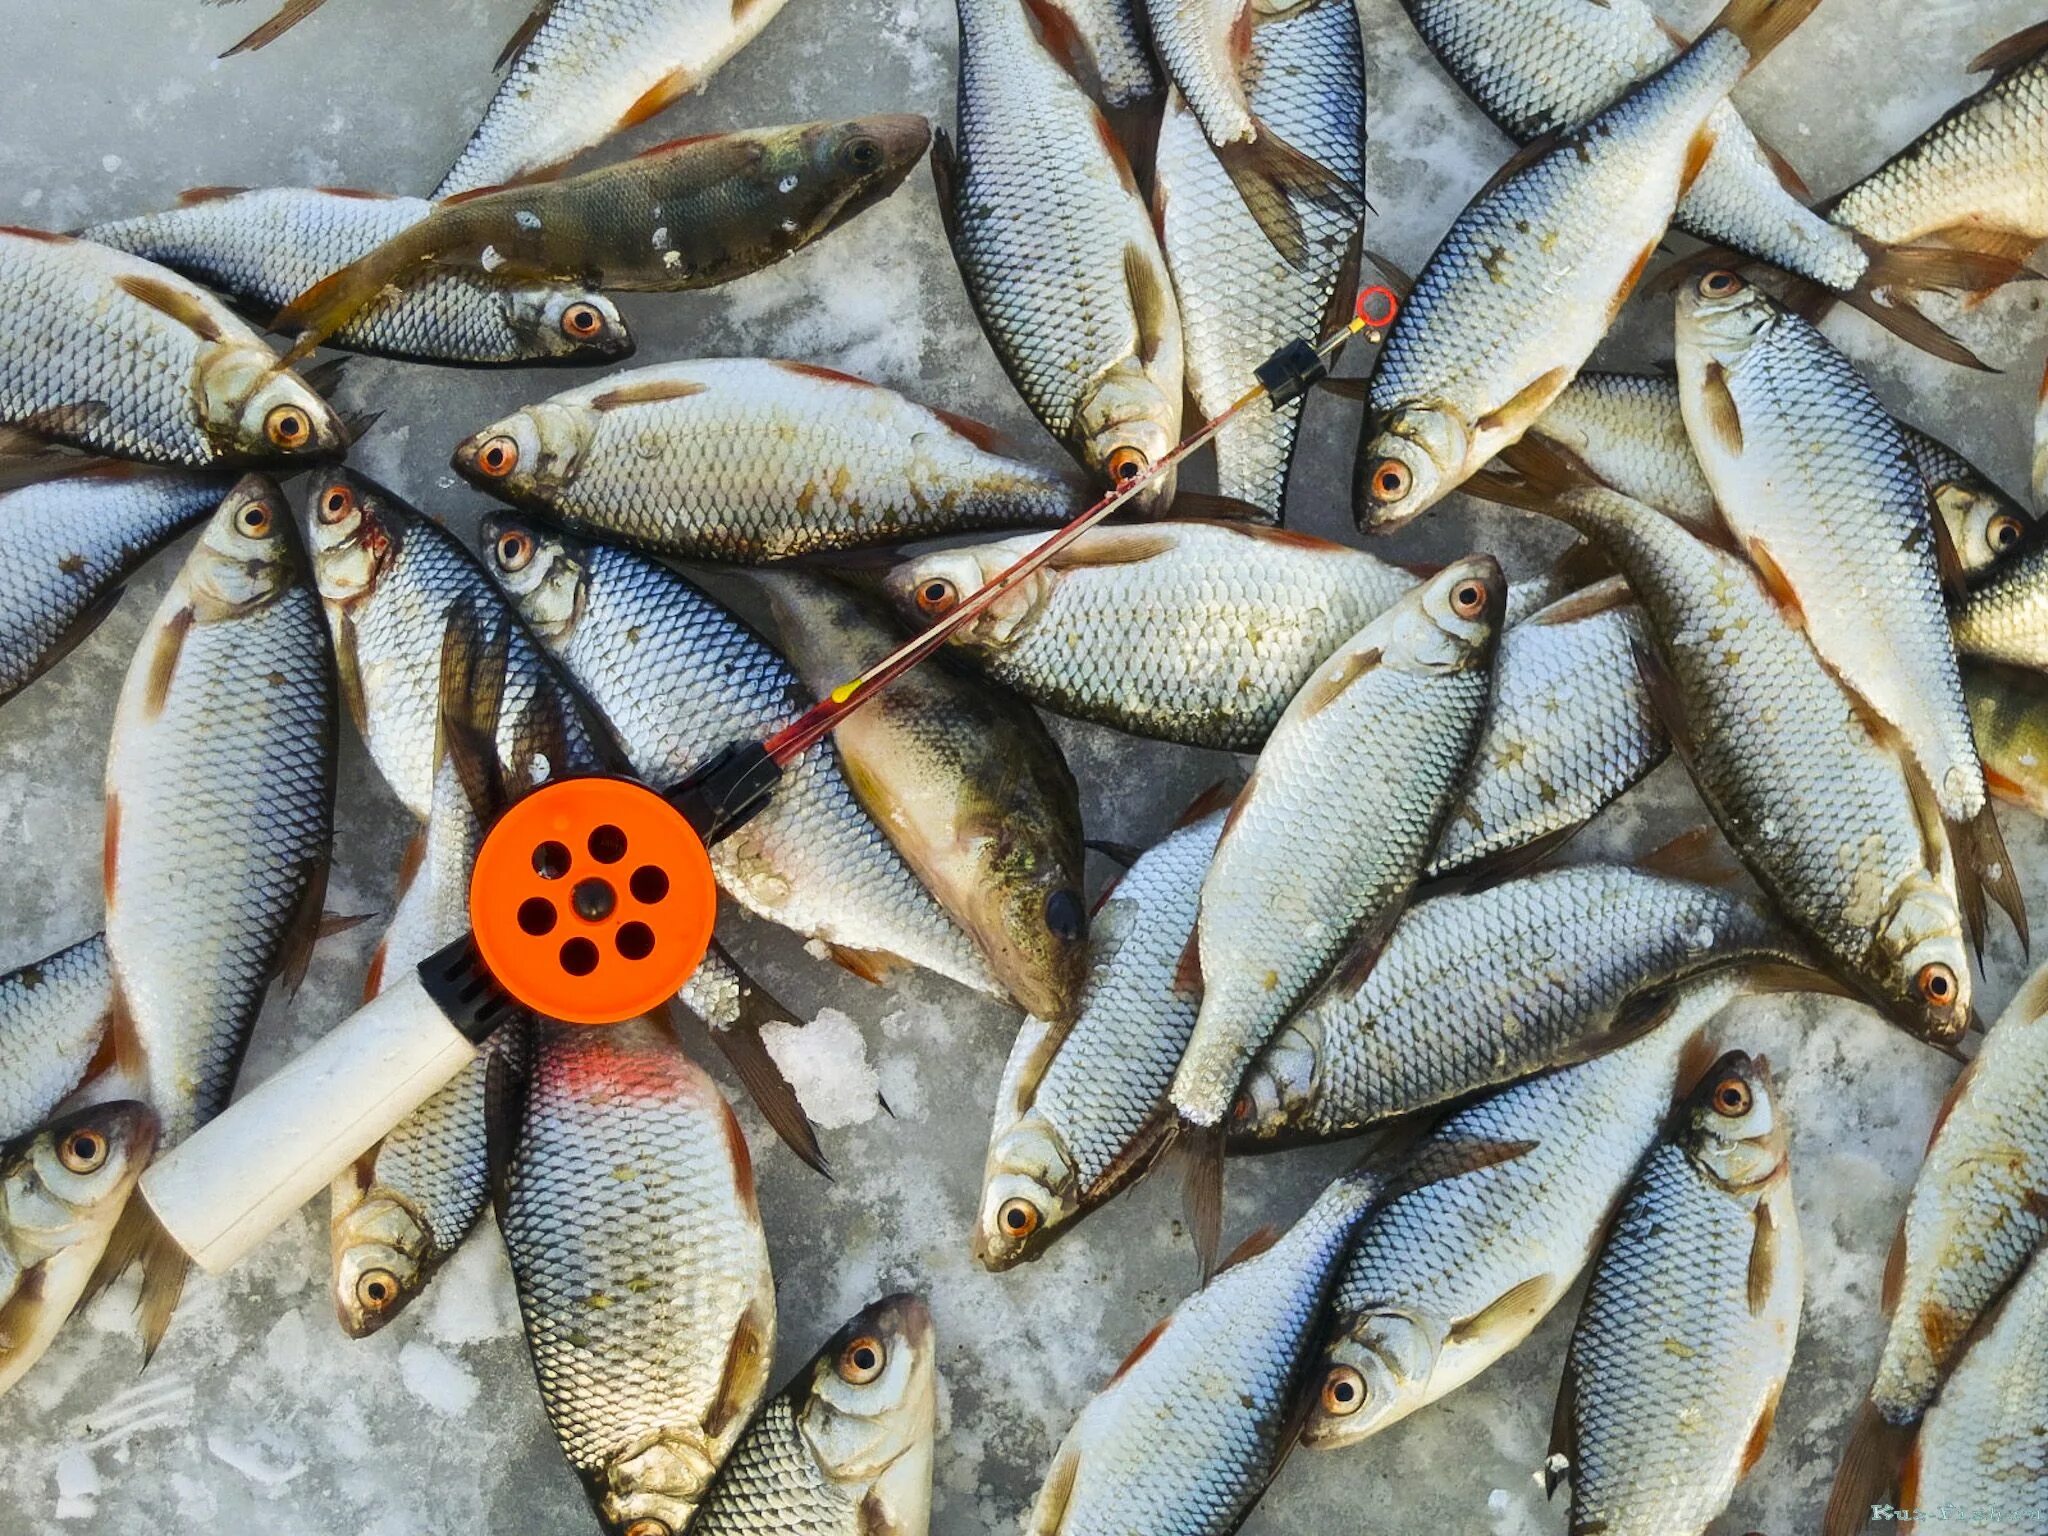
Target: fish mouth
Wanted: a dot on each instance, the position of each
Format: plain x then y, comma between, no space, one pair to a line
904,137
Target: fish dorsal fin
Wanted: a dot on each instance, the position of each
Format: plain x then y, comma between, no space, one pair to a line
1604,596
1288,538
523,34
1513,1312
1141,1349
1788,177
1763,1258
820,371
1513,166
1257,1242
181,305
1528,404
1149,303
2012,53
193,196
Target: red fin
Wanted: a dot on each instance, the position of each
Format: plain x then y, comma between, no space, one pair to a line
1113,147
110,845
1256,1243
1699,854
665,91
647,392
1187,975
193,195
1788,178
48,237
1288,538
742,1162
1696,155
867,964
1759,1437
1327,689
1776,582
819,371
163,661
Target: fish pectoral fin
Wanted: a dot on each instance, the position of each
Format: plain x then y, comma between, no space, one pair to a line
1150,306
523,34
746,1371
1443,1160
1667,703
871,965
1562,1456
174,303
1049,1514
946,181
1524,157
1763,1258
1269,173
1529,403
139,1238
1514,1311
1332,685
1607,594
1125,854
647,392
763,1079
471,700
1724,419
163,660
1107,546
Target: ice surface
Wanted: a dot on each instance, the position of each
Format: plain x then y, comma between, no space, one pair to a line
259,1413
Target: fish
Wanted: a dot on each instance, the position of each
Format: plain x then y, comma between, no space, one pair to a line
1105,45
1820,494
53,1016
2004,617
755,459
1630,431
1568,731
689,214
1978,1448
1444,1282
1540,68
116,355
1975,179
1533,272
1979,1208
68,542
846,1448
965,781
583,70
1478,989
679,678
2039,475
1822,810
1240,302
1058,252
1191,632
1686,1334
219,819
1082,1111
389,578
2009,720
1329,836
264,246
629,1213
62,1188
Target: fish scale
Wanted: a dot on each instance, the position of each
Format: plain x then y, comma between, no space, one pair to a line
1118,51
264,247
679,678
52,1015
66,543
1477,989
1240,302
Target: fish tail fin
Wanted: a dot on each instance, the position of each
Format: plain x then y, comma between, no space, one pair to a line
1900,275
1269,173
1870,1466
739,1038
1981,845
1200,1148
139,1238
1534,474
1761,25
339,297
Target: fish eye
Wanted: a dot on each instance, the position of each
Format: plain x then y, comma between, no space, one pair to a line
582,321
862,1361
288,427
254,520
83,1151
1343,1392
862,153
1721,284
1018,1218
1391,480
376,1290
1937,984
514,549
2004,531
1731,1096
1063,915
1468,599
648,1526
336,502
498,457
937,596
1126,464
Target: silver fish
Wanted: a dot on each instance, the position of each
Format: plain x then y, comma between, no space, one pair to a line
642,1273
1082,1111
1686,1334
1104,42
679,678
220,803
1329,836
846,1448
117,355
1191,632
53,1015
2005,617
1532,273
67,543
1058,251
1475,990
751,459
1979,1209
1444,1282
264,247
62,1188
1240,301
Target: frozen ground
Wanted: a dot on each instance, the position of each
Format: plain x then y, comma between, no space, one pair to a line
259,1413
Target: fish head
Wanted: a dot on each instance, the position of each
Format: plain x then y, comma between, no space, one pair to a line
1721,316
1408,466
1128,422
929,587
252,407
246,553
1376,1372
1028,914
1922,962
377,1242
1029,1191
1983,524
354,532
1282,1080
869,1408
838,169
652,1485
531,456
69,1179
1463,605
1733,1129
541,569
564,324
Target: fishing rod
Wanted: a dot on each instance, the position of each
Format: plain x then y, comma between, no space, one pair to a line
591,901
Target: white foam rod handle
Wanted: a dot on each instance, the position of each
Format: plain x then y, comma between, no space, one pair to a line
240,1176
